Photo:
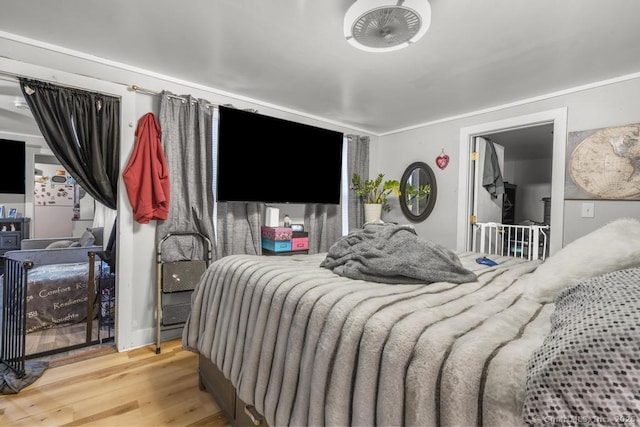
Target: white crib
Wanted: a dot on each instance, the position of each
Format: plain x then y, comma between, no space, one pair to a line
520,241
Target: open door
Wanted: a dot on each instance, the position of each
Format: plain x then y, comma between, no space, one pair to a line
485,207
465,181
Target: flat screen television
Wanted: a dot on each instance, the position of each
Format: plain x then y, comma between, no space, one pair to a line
271,160
13,167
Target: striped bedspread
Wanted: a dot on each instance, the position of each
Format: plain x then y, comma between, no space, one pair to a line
308,347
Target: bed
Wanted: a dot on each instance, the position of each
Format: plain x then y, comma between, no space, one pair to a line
290,342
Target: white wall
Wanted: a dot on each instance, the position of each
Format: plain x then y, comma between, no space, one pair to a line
609,105
136,280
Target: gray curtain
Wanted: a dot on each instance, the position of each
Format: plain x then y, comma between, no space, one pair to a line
324,222
239,228
238,224
324,225
187,142
358,154
83,131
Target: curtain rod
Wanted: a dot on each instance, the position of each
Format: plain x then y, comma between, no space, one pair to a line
12,77
16,78
136,88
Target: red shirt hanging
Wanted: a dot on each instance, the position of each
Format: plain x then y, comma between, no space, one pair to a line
147,175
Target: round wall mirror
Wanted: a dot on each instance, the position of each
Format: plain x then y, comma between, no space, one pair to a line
419,190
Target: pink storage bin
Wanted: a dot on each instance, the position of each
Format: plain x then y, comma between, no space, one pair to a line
299,243
276,233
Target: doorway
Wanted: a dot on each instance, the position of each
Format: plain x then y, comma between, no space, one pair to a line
130,331
528,161
555,120
58,286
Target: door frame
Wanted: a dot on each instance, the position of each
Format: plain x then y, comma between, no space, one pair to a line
125,306
466,179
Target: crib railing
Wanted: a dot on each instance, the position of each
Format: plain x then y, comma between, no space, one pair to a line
14,314
519,241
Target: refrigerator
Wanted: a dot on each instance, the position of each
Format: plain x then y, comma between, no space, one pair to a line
54,202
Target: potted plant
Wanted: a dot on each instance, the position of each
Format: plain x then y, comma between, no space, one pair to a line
374,194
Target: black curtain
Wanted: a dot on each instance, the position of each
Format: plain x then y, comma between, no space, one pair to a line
83,131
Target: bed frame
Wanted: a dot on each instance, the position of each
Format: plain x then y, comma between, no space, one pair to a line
213,380
237,412
305,345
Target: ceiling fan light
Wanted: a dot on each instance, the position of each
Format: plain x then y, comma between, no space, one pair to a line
384,25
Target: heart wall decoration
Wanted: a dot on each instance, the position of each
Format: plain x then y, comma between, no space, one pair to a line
442,160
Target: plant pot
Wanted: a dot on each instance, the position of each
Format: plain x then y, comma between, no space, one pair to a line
372,213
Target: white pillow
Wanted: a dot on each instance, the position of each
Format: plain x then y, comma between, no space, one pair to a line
60,244
614,246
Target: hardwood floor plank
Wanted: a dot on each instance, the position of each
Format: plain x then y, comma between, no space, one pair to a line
105,386
88,384
89,354
59,337
134,388
153,395
176,413
102,416
217,419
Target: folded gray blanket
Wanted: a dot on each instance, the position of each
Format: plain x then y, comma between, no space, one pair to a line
390,253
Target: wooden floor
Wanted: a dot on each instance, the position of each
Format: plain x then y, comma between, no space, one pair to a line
133,388
61,337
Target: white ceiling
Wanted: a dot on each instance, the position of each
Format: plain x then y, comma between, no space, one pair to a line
15,119
291,53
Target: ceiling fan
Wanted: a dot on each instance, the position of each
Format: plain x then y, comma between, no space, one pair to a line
386,25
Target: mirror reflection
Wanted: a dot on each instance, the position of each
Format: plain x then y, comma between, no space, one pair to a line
418,188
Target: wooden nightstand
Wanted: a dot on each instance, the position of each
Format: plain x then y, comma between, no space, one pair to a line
10,240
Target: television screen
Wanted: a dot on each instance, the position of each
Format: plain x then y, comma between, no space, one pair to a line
270,160
13,168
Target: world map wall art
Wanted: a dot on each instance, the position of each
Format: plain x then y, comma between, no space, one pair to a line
603,164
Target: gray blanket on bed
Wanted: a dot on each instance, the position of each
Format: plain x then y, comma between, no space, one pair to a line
308,347
394,254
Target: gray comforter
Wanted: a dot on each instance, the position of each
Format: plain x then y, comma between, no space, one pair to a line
392,254
306,346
